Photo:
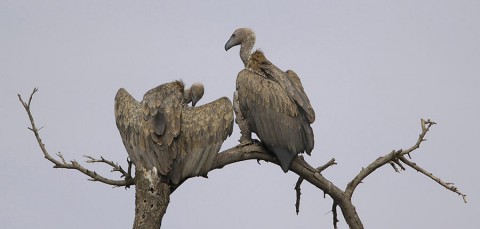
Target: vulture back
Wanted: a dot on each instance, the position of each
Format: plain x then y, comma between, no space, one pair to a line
163,132
151,126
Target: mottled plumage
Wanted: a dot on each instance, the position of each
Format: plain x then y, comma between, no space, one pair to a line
163,132
295,79
271,103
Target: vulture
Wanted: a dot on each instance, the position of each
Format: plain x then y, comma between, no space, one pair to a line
164,133
271,103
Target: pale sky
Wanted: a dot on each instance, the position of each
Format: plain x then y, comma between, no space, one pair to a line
371,69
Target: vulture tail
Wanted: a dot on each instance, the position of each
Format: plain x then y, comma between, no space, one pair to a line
283,156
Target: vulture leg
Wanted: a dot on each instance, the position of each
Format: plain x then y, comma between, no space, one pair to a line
242,123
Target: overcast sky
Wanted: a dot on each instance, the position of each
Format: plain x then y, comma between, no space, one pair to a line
371,69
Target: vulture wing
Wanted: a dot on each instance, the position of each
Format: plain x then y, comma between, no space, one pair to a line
277,119
295,79
128,122
148,128
287,82
204,129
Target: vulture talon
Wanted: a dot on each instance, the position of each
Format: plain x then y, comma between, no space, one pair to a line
245,143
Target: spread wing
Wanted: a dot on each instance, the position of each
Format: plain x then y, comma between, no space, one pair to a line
273,115
148,128
128,121
204,129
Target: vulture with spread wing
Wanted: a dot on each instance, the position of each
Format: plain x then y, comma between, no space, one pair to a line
271,103
164,133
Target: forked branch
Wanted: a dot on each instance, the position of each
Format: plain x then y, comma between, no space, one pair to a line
395,158
62,163
300,180
301,168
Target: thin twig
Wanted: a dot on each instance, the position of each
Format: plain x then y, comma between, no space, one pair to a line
115,166
63,163
326,165
300,180
298,194
446,185
335,215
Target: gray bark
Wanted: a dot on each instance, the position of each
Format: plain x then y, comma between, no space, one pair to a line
151,199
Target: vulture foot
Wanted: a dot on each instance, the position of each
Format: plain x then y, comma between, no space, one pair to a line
247,142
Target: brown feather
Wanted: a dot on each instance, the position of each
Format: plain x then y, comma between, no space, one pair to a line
163,132
270,102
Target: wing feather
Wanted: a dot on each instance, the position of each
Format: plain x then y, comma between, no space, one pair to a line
204,129
273,115
163,132
286,82
148,128
128,122
162,109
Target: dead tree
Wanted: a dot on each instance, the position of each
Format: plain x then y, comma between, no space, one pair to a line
152,196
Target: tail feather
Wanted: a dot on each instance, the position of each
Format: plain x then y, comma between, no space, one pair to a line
283,156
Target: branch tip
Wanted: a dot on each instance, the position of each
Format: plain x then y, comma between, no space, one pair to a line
446,185
298,194
63,163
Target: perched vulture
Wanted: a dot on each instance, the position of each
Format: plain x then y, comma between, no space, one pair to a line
164,133
271,103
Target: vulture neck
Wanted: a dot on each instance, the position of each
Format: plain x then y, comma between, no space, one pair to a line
246,48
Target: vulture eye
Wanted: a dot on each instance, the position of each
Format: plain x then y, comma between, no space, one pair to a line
233,35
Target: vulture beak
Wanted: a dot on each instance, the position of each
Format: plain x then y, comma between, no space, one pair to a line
230,43
227,45
197,90
195,100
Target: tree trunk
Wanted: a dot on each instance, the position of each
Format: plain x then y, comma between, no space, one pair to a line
151,199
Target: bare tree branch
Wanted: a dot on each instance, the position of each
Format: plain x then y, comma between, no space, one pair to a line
74,164
326,165
335,215
300,180
298,166
306,172
448,186
298,194
242,153
115,166
391,157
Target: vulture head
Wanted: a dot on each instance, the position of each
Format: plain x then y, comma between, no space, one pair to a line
245,37
193,94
